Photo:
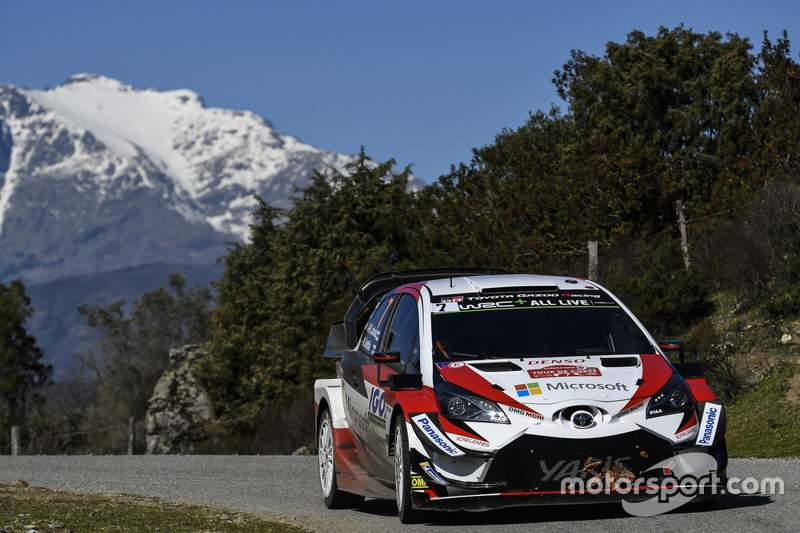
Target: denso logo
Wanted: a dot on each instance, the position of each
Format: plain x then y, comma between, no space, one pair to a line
556,361
709,425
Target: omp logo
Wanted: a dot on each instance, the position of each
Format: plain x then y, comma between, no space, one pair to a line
528,389
432,432
418,482
709,424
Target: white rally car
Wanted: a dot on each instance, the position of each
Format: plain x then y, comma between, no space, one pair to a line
469,389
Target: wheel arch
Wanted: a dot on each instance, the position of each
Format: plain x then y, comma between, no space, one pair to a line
321,407
397,414
328,395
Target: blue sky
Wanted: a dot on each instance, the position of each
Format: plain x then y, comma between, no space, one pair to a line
420,82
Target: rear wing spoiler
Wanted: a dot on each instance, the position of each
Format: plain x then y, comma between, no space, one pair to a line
344,333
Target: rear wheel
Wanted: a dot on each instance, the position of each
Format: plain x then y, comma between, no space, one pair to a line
334,498
402,475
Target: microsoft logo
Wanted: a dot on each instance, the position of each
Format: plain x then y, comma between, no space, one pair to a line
528,389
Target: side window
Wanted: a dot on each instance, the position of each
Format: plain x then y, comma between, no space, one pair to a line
404,331
371,337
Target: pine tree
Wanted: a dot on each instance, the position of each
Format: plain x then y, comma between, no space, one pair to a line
22,373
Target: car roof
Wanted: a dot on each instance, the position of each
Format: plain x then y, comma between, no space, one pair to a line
507,283
379,285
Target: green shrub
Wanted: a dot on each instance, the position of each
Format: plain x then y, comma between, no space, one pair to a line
652,280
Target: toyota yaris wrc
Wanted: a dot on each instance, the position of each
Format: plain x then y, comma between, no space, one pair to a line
469,389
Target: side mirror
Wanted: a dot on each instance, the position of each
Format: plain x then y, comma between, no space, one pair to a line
398,382
687,370
690,370
386,357
673,346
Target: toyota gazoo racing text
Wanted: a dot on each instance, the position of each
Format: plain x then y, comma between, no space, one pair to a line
471,390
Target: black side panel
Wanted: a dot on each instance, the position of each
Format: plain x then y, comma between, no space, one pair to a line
352,373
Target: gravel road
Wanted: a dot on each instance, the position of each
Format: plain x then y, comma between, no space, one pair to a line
287,488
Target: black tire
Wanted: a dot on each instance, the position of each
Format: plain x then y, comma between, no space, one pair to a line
333,497
402,476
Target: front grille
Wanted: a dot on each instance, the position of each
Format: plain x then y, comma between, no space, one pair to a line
541,463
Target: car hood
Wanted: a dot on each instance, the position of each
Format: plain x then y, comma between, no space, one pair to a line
534,381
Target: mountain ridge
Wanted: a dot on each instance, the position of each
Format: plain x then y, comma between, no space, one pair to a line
207,161
80,161
98,178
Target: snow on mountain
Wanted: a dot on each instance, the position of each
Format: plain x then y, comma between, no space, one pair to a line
105,189
207,161
96,175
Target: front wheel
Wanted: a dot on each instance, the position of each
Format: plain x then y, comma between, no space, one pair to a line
326,448
402,475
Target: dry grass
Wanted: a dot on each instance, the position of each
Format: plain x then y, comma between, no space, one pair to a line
24,508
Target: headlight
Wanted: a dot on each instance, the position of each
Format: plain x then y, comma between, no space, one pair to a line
460,404
674,397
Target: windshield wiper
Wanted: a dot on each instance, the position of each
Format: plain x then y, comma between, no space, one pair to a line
589,351
484,355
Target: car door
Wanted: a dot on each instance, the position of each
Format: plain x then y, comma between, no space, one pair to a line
401,337
361,389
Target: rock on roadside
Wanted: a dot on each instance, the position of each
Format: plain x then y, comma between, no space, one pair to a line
179,410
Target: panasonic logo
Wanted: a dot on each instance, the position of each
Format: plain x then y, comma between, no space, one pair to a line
441,442
709,425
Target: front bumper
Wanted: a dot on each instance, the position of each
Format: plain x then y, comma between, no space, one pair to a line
535,470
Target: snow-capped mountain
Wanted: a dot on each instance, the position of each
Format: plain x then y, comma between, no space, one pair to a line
98,177
93,154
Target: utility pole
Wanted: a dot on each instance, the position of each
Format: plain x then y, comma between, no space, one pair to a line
131,434
15,440
592,260
684,236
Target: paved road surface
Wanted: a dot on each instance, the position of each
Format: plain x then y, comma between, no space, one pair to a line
287,488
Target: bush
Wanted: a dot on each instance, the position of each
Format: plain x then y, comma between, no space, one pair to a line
715,350
280,428
652,280
757,253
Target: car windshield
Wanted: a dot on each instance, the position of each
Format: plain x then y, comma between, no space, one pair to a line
526,325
